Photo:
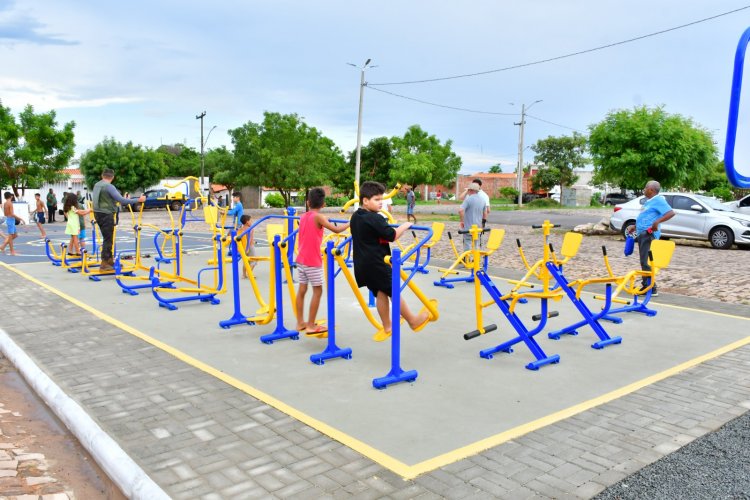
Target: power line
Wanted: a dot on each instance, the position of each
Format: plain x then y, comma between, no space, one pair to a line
551,123
572,54
442,105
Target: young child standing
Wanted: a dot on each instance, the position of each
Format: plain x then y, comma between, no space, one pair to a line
371,236
39,214
10,221
73,227
310,262
246,222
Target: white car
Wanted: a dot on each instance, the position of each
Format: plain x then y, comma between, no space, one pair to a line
741,206
696,217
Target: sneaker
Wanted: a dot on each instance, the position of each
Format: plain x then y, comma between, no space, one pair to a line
654,292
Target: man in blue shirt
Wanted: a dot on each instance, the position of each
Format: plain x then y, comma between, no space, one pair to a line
655,211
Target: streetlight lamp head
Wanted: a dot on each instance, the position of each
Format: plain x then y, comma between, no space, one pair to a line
367,62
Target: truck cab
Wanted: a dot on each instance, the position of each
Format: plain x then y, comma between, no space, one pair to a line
162,198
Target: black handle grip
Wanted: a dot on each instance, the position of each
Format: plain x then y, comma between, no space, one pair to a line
650,256
450,236
550,314
551,248
555,225
518,242
604,250
414,234
536,226
463,231
476,333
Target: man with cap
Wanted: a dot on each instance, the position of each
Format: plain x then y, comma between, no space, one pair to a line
471,213
104,197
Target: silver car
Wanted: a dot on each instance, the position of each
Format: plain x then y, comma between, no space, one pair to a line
742,206
696,217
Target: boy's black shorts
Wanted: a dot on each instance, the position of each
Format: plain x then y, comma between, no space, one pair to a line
376,280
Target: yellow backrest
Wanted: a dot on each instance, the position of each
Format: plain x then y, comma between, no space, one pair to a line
437,233
495,240
662,251
274,229
571,243
210,214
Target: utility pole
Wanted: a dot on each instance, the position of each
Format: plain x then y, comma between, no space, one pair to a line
519,175
359,119
200,117
519,172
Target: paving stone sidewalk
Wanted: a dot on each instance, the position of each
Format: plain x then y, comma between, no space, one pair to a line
200,438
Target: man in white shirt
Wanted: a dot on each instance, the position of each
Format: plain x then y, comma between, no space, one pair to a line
484,197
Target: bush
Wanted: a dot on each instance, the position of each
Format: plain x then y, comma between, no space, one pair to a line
275,200
543,203
336,201
595,200
723,193
509,192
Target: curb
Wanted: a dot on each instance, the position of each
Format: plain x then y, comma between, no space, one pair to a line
113,460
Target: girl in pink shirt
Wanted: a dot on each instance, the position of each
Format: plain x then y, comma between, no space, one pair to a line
310,262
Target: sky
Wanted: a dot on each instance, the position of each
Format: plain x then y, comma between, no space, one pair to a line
141,71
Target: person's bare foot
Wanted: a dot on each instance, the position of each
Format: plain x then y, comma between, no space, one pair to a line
301,327
13,252
419,320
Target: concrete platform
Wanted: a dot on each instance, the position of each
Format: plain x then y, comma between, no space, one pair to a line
459,406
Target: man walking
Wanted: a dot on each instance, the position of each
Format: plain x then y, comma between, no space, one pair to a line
105,196
411,202
654,211
471,213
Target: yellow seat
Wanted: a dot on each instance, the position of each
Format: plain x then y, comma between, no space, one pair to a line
571,244
274,229
661,251
210,215
494,241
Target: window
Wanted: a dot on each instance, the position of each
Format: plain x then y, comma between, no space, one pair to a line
683,203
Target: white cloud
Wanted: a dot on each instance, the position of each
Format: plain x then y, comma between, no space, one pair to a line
17,94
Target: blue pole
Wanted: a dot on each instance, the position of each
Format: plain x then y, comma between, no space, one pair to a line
280,332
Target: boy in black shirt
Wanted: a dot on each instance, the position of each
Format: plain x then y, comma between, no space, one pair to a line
371,236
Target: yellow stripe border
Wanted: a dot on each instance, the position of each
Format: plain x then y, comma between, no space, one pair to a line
404,470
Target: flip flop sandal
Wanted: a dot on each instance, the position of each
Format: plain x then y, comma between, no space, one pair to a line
320,332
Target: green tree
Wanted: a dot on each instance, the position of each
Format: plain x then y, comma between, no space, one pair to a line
376,160
496,169
285,153
420,158
629,148
559,155
135,167
219,165
33,150
180,160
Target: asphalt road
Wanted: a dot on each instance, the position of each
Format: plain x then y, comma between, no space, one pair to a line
528,218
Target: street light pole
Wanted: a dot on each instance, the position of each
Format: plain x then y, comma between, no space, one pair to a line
519,172
359,119
200,117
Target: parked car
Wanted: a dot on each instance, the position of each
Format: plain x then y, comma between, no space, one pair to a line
161,198
741,206
696,217
616,199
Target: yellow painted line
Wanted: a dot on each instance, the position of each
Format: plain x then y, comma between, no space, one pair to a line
404,470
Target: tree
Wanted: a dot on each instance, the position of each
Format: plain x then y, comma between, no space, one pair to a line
496,169
629,148
559,155
376,160
420,158
219,164
135,167
33,150
285,153
180,160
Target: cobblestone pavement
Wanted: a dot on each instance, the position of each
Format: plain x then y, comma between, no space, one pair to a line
200,438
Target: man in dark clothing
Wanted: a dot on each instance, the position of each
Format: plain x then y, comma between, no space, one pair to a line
51,206
104,197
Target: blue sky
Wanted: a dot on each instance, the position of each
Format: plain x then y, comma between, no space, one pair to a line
142,71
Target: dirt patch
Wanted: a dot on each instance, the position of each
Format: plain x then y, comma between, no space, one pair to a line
38,455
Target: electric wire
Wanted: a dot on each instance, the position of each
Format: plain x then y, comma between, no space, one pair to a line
442,105
551,123
565,56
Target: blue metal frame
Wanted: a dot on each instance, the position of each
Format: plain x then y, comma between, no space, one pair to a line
448,282
397,374
332,350
280,332
156,283
639,305
736,178
590,319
